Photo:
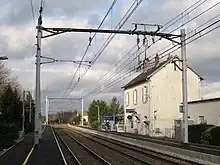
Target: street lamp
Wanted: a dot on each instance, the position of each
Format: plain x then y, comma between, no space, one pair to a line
2,58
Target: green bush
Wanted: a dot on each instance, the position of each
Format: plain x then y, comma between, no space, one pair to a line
95,124
75,120
195,132
8,133
211,136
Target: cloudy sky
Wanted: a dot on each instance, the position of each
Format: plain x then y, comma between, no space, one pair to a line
17,33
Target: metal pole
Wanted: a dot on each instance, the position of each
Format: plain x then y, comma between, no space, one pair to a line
38,102
63,117
184,84
47,103
23,117
82,113
98,117
30,107
40,115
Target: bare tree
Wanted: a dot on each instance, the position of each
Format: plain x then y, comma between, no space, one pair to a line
6,79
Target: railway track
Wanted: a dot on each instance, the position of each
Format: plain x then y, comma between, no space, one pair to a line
68,156
208,149
113,157
139,155
76,153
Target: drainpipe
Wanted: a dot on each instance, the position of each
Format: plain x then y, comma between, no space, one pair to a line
149,104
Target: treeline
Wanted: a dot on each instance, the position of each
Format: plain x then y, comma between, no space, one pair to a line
11,106
65,117
113,108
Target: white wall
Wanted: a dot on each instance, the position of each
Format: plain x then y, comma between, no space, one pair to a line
167,95
141,108
165,92
209,109
86,118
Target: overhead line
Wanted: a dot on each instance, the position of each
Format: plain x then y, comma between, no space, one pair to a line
32,11
198,32
172,24
87,48
107,42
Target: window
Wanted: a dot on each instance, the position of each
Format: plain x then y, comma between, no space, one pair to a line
144,94
127,99
135,97
201,119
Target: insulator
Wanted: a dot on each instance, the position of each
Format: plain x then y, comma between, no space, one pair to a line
90,40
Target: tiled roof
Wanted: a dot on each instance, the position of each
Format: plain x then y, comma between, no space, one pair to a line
142,77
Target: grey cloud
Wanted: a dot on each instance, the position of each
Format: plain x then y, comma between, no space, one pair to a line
72,46
20,11
209,68
94,20
69,46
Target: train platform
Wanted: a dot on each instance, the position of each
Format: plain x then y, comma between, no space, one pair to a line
25,153
17,154
47,153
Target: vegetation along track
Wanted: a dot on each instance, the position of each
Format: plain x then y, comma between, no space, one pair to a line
208,149
81,152
139,155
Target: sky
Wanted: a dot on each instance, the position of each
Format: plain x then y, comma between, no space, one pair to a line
18,39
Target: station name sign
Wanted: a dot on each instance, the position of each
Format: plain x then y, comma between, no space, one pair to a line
130,110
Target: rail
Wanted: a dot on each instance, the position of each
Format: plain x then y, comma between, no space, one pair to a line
208,149
86,149
71,156
133,151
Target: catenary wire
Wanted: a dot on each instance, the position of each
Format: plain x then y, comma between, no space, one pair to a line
178,27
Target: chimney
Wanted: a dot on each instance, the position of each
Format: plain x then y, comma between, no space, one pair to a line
145,64
157,60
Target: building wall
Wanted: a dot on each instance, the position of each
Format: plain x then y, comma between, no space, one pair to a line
141,108
86,118
210,110
167,96
164,97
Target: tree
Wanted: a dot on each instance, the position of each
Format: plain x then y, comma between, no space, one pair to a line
93,110
115,107
11,105
76,119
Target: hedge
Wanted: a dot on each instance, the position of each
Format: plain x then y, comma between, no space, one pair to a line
8,133
195,132
211,136
95,124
